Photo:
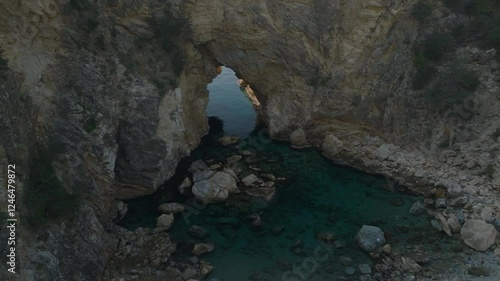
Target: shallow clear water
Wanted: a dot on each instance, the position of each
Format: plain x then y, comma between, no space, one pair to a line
231,104
316,197
320,197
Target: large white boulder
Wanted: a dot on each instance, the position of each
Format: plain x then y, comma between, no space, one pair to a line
216,188
298,139
370,238
332,146
478,234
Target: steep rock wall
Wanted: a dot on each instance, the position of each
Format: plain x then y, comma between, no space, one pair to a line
118,106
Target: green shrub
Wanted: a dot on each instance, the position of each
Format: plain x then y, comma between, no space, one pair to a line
169,30
421,10
496,134
3,67
87,14
485,24
489,171
453,4
437,45
45,199
161,85
453,85
479,7
425,70
493,36
421,60
424,76
478,271
90,125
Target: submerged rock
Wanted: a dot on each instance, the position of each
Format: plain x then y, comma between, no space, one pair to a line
257,223
250,179
233,159
229,140
478,234
326,236
164,222
269,177
370,238
171,208
206,268
417,208
202,248
365,269
420,257
198,232
216,188
264,192
350,271
246,153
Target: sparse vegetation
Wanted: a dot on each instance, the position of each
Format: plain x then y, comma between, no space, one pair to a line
160,85
489,171
427,54
169,29
455,83
90,125
496,134
87,12
436,46
421,11
3,67
424,75
478,271
485,24
45,198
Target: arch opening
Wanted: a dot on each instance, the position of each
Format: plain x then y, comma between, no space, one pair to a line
233,108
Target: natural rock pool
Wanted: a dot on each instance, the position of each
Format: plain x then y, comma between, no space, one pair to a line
307,231
316,200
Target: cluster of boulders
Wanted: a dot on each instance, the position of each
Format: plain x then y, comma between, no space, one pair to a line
215,183
151,254
207,184
455,195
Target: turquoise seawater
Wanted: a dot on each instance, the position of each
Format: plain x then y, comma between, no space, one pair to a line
231,104
315,197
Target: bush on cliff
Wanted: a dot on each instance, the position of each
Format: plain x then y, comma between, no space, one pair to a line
3,67
45,198
421,11
169,29
436,45
454,84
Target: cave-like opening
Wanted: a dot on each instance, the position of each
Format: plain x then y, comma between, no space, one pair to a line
232,104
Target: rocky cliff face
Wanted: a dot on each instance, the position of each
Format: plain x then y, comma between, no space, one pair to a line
310,60
116,91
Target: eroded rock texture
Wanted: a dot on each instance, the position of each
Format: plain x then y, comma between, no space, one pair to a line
116,91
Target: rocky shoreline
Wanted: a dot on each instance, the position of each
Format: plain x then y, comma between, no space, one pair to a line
453,211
